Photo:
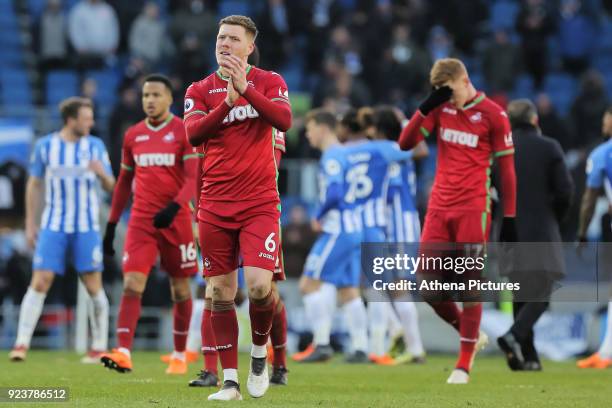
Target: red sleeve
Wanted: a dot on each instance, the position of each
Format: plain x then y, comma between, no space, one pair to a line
123,188
279,146
501,134
200,122
277,156
121,194
417,129
273,106
190,169
199,173
508,184
503,150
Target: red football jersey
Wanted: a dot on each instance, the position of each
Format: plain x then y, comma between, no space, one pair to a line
156,154
468,140
238,165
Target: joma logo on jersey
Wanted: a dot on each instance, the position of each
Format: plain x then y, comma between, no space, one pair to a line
241,113
154,159
461,138
267,256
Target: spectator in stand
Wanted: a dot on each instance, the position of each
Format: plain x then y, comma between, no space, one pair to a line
440,44
274,35
501,63
463,20
298,238
587,110
577,36
193,29
53,39
148,36
324,15
405,68
94,33
344,93
535,23
550,122
344,49
125,113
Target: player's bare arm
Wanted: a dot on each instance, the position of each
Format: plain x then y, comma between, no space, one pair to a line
34,192
107,180
587,209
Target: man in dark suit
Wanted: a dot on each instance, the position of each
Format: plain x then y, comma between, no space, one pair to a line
544,193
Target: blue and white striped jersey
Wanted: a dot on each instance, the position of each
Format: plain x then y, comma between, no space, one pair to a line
71,197
371,165
403,219
599,168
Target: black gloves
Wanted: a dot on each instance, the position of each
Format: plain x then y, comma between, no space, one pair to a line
436,98
164,217
508,230
109,237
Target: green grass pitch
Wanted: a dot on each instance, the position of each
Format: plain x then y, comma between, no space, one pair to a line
334,384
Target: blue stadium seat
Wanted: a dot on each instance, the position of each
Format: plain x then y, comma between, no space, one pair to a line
108,81
61,85
11,57
15,87
562,89
503,14
228,7
36,7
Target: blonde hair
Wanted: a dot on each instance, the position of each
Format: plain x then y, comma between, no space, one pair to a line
242,21
446,69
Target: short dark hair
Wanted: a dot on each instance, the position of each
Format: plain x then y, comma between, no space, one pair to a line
69,108
159,78
242,21
521,112
351,121
386,122
322,117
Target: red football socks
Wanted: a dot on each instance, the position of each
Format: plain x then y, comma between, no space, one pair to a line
129,313
278,334
449,311
470,326
208,339
261,312
182,315
225,327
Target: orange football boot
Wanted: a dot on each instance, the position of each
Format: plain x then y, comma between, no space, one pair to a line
594,361
270,354
190,357
117,361
303,354
177,366
384,359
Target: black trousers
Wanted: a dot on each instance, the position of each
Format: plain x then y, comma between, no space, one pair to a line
527,309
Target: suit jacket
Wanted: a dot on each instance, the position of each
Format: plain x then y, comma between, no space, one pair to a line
544,195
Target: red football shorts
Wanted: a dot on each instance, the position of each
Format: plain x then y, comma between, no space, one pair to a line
443,230
279,268
174,244
250,236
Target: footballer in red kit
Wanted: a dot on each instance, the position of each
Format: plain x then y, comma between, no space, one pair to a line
233,114
471,132
162,164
